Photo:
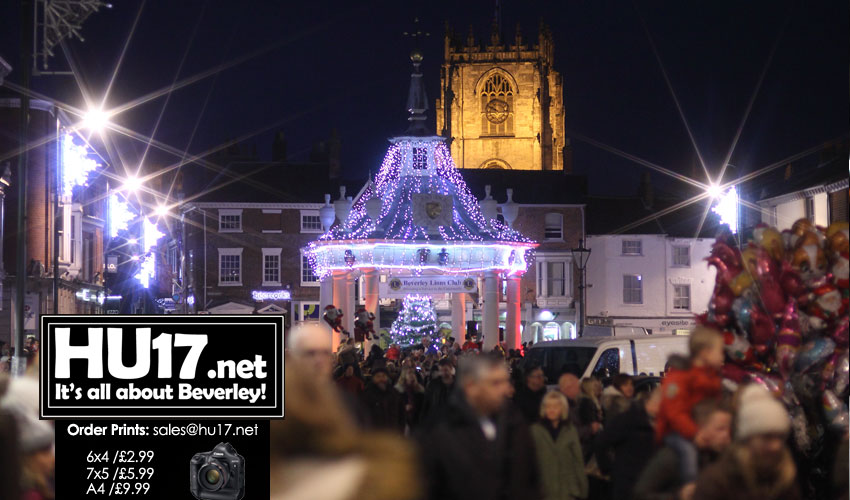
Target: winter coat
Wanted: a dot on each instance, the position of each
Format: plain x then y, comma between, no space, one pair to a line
588,413
383,408
613,402
353,385
661,478
528,402
733,478
630,438
680,391
436,397
414,397
460,463
560,461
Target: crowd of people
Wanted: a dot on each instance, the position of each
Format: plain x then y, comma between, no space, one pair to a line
26,443
462,423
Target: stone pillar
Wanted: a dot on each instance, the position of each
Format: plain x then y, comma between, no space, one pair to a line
490,315
370,295
459,317
339,295
326,298
512,320
349,307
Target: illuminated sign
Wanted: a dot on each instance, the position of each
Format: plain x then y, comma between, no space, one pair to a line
87,295
261,295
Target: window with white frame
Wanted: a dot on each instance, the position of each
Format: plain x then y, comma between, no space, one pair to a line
632,289
554,278
682,297
308,278
632,247
230,266
681,256
230,220
553,227
271,266
310,221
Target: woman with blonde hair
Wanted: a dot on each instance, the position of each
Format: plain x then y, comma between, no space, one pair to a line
559,456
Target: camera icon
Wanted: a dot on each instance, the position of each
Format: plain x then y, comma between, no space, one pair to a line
218,474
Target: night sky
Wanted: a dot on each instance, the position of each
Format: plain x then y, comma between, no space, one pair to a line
344,65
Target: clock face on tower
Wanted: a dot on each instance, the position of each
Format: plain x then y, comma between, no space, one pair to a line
497,111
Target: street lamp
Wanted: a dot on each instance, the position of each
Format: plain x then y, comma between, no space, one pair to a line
580,256
95,120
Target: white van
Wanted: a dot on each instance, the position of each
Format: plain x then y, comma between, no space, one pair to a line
614,331
607,356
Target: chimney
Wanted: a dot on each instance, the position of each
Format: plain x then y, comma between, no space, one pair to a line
279,147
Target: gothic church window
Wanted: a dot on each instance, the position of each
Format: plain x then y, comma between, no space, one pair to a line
497,106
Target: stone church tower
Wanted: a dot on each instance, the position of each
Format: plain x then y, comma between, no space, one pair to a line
502,106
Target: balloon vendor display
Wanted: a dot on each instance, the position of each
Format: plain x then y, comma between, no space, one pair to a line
782,305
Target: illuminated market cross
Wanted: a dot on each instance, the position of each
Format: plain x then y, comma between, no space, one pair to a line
418,219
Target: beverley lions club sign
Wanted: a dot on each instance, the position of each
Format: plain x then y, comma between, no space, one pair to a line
399,286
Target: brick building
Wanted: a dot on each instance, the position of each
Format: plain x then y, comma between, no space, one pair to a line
52,161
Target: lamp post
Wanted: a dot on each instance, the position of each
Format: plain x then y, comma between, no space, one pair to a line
5,182
580,256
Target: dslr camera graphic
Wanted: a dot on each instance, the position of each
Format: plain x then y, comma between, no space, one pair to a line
218,474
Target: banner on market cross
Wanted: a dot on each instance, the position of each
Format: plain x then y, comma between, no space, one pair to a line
399,286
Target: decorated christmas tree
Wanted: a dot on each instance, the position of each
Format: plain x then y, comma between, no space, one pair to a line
416,319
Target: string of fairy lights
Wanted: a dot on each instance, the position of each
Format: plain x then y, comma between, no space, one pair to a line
469,243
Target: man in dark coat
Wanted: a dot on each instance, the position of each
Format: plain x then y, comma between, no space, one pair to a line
530,394
662,479
480,447
630,440
382,403
438,390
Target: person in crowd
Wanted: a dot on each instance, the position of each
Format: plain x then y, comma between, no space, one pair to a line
375,357
315,452
454,346
470,344
350,382
382,403
411,395
590,410
530,393
758,465
617,397
629,438
661,479
348,354
393,352
559,456
311,344
438,390
570,386
10,460
682,389
480,447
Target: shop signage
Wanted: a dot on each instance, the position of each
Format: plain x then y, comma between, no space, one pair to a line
399,286
87,295
262,295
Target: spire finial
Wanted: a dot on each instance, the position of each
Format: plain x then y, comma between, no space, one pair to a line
417,101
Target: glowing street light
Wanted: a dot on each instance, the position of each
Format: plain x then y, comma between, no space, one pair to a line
131,184
714,191
161,211
95,120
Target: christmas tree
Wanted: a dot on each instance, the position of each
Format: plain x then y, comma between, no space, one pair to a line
416,319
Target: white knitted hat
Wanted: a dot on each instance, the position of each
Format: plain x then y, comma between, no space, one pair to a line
760,413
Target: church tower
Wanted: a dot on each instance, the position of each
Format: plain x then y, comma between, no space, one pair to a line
502,105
